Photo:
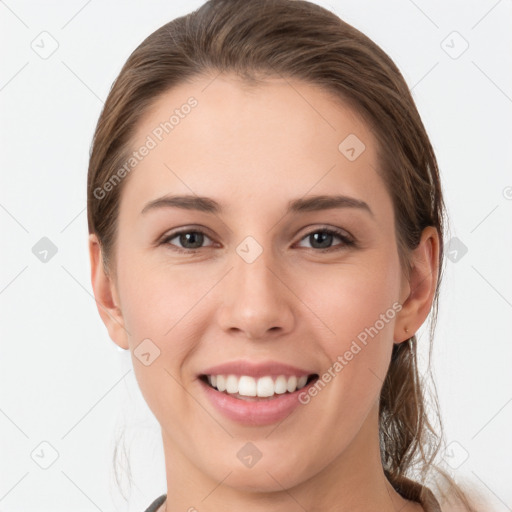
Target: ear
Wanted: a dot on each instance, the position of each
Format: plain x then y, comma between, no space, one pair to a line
105,294
417,292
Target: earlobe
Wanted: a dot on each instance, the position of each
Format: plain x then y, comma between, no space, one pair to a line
105,295
420,288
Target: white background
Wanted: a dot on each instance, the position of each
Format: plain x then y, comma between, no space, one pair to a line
63,381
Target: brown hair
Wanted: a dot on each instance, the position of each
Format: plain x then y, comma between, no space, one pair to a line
297,39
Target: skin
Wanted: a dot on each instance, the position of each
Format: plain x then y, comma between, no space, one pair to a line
253,149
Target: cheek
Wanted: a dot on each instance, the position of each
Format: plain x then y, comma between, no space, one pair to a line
358,304
351,298
158,299
160,309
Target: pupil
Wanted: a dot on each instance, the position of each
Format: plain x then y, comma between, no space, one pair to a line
185,238
323,236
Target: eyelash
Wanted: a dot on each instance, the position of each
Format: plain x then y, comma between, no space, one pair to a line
347,241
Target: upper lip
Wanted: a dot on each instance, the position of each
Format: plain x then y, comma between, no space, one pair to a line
261,369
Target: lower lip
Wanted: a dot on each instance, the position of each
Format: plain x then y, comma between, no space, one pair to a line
257,412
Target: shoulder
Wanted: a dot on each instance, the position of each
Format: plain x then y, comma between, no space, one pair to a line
466,500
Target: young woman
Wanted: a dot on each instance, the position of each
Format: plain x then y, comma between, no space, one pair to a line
266,237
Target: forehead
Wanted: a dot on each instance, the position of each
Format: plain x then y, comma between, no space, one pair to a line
219,136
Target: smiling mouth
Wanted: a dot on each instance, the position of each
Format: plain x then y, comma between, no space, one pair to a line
245,387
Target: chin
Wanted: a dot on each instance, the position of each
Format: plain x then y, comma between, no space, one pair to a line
268,474
261,481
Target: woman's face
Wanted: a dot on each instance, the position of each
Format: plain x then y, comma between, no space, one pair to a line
258,284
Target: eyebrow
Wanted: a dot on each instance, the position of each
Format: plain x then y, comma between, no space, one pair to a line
301,205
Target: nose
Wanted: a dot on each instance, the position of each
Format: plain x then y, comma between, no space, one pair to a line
256,299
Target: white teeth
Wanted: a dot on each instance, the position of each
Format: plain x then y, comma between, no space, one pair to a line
292,384
263,387
301,382
247,386
221,383
232,384
281,385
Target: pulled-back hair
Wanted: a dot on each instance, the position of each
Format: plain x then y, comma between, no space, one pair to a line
295,39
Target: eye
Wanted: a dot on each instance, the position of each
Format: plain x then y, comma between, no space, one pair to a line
191,240
323,238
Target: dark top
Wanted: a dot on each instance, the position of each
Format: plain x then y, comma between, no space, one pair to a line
409,490
157,503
